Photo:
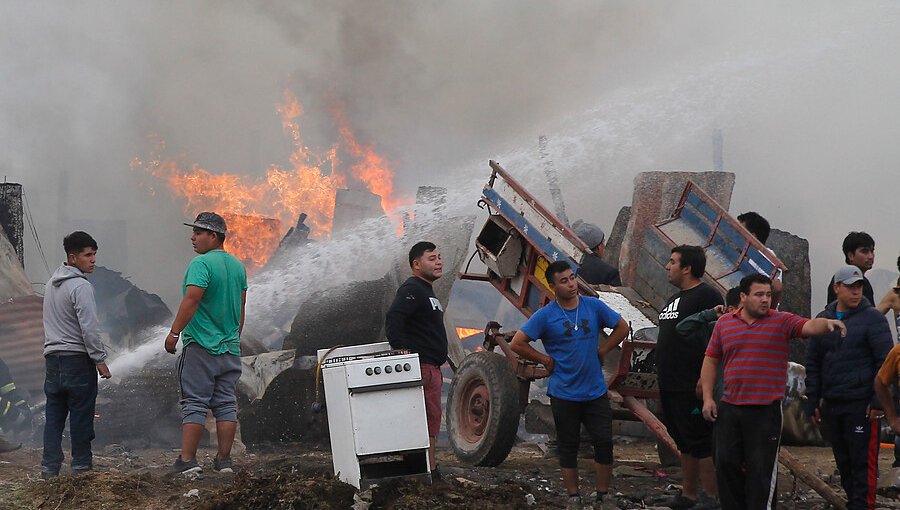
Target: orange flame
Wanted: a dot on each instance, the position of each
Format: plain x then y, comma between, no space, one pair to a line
464,333
372,169
253,238
259,211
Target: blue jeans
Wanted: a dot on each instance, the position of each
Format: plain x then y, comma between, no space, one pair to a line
71,390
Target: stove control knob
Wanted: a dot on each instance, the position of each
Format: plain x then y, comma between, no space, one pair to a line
398,367
388,369
407,367
369,371
377,370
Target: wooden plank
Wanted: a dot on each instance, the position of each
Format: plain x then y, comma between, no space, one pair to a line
812,481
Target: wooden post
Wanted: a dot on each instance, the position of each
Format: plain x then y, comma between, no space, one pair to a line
650,420
815,483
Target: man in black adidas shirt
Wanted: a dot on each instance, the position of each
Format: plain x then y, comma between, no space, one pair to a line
678,368
415,321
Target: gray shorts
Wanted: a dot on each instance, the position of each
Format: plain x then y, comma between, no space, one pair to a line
207,382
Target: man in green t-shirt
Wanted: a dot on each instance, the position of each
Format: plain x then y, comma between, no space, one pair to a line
209,322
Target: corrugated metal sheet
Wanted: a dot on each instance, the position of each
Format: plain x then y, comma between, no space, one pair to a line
22,343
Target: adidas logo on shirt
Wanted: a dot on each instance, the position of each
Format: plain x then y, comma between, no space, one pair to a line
859,429
671,311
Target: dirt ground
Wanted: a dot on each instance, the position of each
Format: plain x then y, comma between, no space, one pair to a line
296,477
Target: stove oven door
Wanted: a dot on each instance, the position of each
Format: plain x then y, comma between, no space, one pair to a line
389,418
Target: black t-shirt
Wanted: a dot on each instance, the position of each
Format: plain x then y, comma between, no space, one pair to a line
595,271
415,321
678,360
868,293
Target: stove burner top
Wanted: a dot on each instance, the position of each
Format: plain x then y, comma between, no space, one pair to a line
381,354
342,359
394,352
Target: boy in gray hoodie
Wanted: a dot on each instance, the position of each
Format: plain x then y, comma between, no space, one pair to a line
74,356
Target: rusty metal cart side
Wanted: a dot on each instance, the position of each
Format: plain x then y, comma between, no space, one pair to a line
490,389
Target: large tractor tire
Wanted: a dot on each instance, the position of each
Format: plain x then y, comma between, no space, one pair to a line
483,409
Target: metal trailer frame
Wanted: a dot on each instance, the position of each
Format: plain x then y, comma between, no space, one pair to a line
518,216
725,241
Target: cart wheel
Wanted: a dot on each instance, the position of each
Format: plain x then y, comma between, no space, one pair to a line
483,409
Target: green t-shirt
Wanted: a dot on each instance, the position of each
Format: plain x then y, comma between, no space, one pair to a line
218,318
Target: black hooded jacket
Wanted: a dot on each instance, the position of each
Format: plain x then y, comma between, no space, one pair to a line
842,369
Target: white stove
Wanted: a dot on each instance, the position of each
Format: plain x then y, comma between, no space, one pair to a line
376,413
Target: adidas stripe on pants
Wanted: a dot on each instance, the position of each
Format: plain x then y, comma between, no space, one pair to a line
854,441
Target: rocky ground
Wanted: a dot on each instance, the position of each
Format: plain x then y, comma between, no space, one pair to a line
297,477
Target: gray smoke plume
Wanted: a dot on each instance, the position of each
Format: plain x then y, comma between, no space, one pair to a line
804,94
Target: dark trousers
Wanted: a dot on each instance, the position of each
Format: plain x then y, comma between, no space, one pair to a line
854,441
568,416
746,453
71,390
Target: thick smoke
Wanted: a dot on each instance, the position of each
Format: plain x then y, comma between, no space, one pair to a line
804,93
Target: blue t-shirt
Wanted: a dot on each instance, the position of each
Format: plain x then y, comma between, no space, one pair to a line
577,373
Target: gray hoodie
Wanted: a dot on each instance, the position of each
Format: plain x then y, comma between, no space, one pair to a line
70,315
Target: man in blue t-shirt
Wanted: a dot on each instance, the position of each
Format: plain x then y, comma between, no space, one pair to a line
569,328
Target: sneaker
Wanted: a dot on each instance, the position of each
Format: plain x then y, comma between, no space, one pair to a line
438,476
46,475
186,466
79,470
575,503
223,465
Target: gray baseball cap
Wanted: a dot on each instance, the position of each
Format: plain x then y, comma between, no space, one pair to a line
209,221
591,234
848,275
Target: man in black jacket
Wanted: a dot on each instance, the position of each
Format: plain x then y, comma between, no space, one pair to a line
594,270
859,251
839,375
415,321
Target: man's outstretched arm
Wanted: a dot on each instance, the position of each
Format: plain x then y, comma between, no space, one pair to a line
820,326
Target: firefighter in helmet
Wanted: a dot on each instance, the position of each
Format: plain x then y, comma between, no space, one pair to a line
15,415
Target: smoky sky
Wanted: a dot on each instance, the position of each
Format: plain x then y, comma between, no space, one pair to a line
806,94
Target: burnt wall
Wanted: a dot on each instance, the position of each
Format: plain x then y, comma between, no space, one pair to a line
12,217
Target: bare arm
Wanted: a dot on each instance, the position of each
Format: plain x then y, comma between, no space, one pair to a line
615,338
186,311
820,326
776,292
890,301
707,383
887,403
521,345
